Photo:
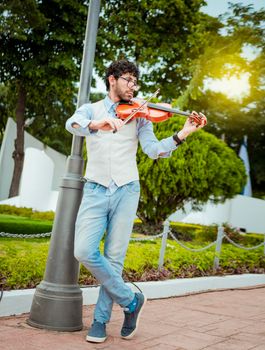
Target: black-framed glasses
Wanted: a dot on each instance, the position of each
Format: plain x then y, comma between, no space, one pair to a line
131,84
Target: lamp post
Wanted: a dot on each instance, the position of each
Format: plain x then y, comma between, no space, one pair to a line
57,302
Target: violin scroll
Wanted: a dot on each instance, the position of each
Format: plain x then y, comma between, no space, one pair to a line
198,118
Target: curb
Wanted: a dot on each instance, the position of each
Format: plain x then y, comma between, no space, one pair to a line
16,302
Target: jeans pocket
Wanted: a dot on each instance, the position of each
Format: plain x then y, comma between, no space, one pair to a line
90,187
133,187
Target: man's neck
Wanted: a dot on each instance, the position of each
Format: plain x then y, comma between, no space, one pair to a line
113,97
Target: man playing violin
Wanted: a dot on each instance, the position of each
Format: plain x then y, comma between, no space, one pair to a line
111,192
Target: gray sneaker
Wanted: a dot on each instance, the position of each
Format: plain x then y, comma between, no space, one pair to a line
97,333
131,319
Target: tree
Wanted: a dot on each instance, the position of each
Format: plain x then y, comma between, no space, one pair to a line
41,47
225,57
202,168
163,37
6,107
40,57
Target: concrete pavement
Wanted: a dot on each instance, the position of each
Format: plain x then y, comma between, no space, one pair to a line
220,320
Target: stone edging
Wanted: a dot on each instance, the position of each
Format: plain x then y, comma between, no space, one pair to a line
16,302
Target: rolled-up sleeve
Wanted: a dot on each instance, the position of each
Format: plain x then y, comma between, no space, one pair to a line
150,144
82,117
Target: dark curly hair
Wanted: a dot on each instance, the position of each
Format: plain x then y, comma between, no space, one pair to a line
117,68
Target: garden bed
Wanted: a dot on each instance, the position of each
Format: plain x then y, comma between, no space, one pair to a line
22,262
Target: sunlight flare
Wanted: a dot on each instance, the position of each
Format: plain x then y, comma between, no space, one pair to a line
234,87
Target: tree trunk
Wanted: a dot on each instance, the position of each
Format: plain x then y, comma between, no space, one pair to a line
18,154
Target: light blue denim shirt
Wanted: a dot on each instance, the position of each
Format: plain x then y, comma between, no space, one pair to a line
148,141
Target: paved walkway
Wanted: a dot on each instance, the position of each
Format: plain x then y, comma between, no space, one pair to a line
225,320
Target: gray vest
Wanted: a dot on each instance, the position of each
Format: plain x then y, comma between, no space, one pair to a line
111,156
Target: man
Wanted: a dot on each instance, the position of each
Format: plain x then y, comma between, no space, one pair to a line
111,193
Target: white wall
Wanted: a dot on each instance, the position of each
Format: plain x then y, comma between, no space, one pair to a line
36,179
41,176
241,211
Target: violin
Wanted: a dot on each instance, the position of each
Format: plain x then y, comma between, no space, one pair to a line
155,112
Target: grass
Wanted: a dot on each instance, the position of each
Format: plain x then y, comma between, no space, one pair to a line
22,262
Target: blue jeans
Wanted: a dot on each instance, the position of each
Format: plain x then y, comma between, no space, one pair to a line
114,213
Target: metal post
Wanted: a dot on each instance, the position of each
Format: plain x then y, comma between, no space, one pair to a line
219,240
163,244
264,245
57,302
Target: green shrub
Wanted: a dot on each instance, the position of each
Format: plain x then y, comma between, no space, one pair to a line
252,239
198,233
242,238
22,262
12,210
209,234
147,229
23,225
185,232
26,212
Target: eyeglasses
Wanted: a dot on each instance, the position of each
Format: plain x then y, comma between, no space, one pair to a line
131,84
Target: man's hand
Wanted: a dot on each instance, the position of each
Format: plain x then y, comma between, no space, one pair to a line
106,124
194,122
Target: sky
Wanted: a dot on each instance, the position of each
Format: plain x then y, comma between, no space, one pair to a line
218,7
214,8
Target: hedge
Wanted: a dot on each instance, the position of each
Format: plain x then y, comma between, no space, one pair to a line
22,262
26,212
185,232
23,225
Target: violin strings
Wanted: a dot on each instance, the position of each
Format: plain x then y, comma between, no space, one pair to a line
137,109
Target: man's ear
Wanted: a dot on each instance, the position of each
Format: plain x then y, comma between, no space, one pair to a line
111,80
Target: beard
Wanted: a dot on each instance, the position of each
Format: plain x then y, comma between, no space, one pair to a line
124,95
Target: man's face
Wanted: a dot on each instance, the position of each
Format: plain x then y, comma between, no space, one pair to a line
124,87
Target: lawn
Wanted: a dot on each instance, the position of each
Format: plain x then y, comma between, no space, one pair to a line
22,262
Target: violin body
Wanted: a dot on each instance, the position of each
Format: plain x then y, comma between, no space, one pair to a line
155,112
155,115
125,109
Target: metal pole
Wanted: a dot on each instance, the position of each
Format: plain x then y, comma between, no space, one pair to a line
163,244
219,240
57,302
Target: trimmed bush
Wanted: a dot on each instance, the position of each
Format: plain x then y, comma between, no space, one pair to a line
26,212
23,225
